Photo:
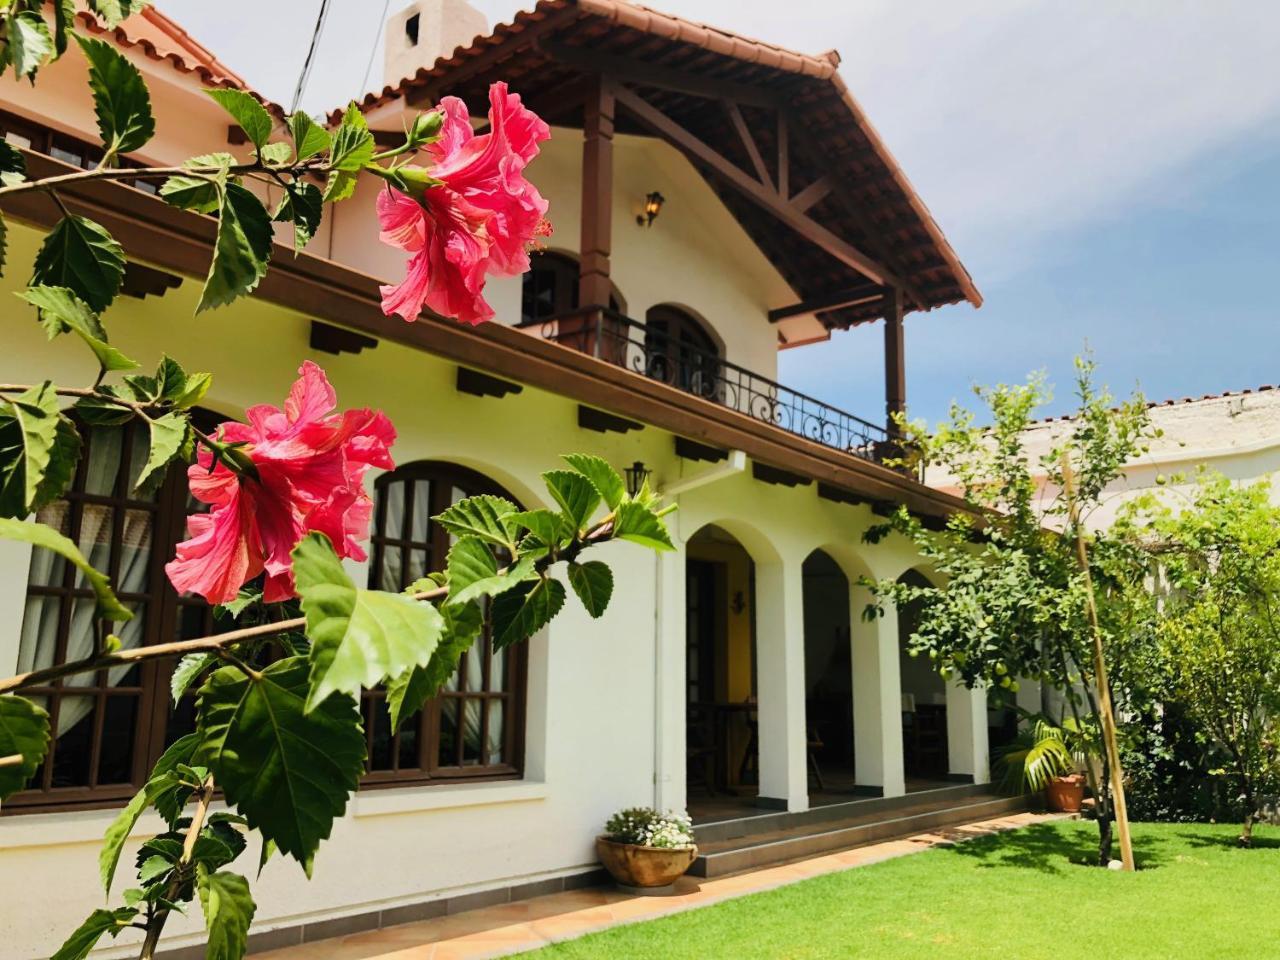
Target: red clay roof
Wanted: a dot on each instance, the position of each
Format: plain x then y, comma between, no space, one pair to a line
895,226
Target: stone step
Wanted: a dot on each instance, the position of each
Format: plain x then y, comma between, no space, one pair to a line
802,836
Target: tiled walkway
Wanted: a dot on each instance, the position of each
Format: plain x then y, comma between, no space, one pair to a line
516,927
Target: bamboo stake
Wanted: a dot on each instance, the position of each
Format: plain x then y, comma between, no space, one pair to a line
1100,672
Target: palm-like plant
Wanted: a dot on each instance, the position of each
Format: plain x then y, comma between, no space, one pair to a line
1040,752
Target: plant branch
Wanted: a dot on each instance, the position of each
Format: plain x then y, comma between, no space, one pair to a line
155,924
48,184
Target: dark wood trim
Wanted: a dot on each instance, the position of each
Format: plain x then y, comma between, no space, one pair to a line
141,281
482,385
594,286
832,301
684,141
835,494
691,450
895,363
749,144
784,155
776,475
181,241
589,418
327,338
811,194
658,76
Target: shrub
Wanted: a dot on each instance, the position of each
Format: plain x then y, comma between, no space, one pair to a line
650,828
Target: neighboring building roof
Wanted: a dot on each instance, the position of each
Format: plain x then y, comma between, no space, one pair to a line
185,54
1178,401
873,205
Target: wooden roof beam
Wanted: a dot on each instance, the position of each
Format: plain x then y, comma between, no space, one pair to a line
627,69
749,144
805,226
852,297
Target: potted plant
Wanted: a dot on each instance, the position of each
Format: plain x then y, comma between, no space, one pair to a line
1047,757
646,849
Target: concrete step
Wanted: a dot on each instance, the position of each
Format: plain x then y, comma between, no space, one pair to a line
777,838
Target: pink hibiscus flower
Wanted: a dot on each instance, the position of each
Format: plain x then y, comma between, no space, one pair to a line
311,464
481,218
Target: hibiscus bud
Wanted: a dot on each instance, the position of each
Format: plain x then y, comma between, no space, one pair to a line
425,127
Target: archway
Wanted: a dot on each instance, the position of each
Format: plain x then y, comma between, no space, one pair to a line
924,703
828,679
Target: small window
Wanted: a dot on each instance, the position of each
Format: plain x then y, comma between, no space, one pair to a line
550,288
475,727
411,29
680,352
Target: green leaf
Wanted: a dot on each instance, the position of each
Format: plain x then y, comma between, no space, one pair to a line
546,525
64,14
152,869
241,251
407,694
63,459
228,910
491,585
593,583
179,756
24,731
87,935
309,138
13,166
577,496
470,561
289,773
187,671
120,97
340,186
245,109
482,517
520,613
40,535
276,154
603,477
116,834
635,522
83,256
168,438
28,430
358,637
302,204
30,43
98,411
199,192
113,12
353,144
62,311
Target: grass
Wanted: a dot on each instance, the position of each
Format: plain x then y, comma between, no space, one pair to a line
1026,894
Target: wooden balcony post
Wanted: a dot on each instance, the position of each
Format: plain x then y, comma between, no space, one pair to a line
597,193
895,366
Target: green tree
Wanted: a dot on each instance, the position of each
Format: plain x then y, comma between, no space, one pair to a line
1219,632
1012,599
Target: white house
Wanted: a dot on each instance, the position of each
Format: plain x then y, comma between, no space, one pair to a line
734,676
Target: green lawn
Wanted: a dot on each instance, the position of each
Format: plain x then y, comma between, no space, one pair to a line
1024,894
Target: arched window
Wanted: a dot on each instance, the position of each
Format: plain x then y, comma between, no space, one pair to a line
680,351
550,288
475,727
110,727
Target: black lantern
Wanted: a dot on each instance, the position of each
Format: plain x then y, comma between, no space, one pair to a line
652,207
637,474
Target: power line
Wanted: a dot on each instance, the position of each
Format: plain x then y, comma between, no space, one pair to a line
382,25
311,52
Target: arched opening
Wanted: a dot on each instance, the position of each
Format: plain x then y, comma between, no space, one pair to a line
550,288
924,703
828,680
721,721
679,350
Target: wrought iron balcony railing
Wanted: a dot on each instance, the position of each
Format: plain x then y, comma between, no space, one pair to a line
659,355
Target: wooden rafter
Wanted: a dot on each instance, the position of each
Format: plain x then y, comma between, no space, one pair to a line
852,297
784,156
811,194
684,141
749,144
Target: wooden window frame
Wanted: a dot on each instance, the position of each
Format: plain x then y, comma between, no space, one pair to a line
443,477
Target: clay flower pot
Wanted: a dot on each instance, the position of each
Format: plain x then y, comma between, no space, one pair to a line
1065,794
635,866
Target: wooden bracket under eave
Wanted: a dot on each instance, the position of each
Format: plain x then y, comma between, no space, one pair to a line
330,339
589,418
483,385
776,475
692,450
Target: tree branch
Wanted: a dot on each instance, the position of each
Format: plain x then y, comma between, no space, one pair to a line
156,173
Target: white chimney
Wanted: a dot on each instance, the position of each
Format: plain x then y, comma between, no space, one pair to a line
426,30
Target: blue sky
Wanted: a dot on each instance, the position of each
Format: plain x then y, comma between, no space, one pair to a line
1109,173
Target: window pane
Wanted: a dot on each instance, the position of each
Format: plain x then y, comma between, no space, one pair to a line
498,670
95,539
75,739
380,751
497,716
473,667
394,526
48,567
418,563
471,731
103,466
115,764
408,753
37,646
82,639
448,751
135,552
390,575
421,511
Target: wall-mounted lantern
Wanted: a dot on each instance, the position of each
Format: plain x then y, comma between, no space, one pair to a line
637,474
652,207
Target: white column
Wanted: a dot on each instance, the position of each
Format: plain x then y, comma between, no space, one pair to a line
780,683
967,752
877,699
669,781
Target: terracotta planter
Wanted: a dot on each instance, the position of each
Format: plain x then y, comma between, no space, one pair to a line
1065,794
635,866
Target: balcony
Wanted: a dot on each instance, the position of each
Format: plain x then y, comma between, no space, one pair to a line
676,361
